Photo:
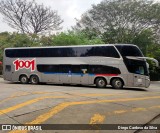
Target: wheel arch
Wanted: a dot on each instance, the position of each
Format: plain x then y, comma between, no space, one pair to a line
23,74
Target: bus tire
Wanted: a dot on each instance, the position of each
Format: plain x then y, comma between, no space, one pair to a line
117,83
34,79
23,79
101,82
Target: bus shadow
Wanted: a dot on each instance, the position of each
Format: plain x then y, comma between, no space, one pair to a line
94,87
134,89
86,86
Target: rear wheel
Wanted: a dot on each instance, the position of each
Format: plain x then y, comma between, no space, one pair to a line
34,79
117,83
101,82
23,79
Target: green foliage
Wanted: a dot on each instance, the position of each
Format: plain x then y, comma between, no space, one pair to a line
115,36
72,38
31,40
4,37
123,21
46,41
154,51
145,39
16,40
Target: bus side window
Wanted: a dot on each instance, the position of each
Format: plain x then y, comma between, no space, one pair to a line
65,68
84,69
8,68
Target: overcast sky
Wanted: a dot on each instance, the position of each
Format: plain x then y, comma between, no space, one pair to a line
67,9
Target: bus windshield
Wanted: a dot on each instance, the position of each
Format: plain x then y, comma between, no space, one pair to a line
136,66
129,50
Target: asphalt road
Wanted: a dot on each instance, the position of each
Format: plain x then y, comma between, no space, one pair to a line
58,104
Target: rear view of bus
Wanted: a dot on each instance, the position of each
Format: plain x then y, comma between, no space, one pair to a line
117,65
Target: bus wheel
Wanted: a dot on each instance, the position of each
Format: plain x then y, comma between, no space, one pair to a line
101,82
117,83
34,79
23,79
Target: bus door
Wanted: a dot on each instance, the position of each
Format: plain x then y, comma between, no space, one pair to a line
65,74
52,75
84,74
76,74
139,77
79,74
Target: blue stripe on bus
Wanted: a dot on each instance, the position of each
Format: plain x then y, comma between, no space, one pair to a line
91,74
79,74
53,73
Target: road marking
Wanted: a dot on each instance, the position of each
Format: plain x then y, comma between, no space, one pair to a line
7,110
42,118
14,96
97,119
19,94
138,109
117,112
135,110
154,107
28,93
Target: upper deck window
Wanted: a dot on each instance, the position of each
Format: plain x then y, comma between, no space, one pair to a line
105,51
129,50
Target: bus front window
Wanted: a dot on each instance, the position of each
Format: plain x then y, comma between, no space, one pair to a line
140,70
136,66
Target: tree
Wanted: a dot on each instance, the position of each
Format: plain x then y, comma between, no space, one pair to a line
119,21
29,17
17,40
145,40
74,38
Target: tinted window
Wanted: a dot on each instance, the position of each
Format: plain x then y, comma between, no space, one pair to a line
108,51
48,68
8,68
100,69
136,66
36,52
129,50
17,53
93,69
76,69
9,53
65,68
86,51
22,53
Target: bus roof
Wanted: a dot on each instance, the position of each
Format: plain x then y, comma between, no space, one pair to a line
96,45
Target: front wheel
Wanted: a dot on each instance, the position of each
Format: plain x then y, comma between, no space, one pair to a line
34,79
117,83
101,82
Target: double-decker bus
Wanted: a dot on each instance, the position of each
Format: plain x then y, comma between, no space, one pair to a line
117,65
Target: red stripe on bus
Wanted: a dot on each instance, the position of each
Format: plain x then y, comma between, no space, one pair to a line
106,74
